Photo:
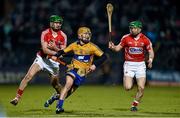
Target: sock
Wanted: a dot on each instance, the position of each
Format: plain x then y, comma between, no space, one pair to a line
135,103
60,104
19,93
55,97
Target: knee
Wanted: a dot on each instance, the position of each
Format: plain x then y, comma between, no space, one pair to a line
141,88
127,87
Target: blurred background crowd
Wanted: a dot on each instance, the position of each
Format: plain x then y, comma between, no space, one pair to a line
22,21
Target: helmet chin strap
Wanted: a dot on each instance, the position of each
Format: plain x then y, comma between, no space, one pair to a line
136,34
56,30
84,41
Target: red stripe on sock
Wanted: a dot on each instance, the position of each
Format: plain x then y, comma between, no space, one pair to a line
20,92
135,104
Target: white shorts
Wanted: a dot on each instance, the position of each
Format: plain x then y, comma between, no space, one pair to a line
48,65
135,69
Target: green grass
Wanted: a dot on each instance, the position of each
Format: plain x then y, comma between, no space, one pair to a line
93,101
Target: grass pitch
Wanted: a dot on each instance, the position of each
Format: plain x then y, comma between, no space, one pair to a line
92,101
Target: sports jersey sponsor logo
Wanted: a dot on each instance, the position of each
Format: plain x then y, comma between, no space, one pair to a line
135,50
80,57
83,58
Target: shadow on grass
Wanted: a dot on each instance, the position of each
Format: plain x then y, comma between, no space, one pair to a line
120,109
123,112
38,110
83,114
163,113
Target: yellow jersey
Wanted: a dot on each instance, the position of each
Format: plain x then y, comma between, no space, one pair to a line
83,55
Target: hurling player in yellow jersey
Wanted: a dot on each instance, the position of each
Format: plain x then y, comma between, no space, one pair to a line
82,63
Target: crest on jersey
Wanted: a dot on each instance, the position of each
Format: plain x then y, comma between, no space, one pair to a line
142,44
129,43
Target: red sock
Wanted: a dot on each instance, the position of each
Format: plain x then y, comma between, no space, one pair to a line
19,93
135,103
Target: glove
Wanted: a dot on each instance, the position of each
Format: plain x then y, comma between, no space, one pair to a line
59,53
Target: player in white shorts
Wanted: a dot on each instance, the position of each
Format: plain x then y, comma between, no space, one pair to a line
52,40
48,65
135,45
135,69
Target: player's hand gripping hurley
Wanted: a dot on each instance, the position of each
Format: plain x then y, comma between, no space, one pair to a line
109,9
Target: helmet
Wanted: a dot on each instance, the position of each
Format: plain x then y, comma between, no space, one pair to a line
83,30
56,18
135,24
84,34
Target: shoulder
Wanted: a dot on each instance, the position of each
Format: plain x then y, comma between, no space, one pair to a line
93,46
46,31
73,44
126,36
144,37
63,34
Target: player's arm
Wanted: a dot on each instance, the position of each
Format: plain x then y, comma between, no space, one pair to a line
149,48
52,46
101,58
44,46
118,47
151,56
63,46
64,52
115,48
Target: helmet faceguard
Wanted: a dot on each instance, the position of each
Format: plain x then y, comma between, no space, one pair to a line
135,27
84,34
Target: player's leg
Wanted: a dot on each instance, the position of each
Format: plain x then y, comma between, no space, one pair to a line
127,82
55,83
57,86
141,84
128,76
129,73
56,96
140,92
72,90
64,93
141,80
53,68
30,74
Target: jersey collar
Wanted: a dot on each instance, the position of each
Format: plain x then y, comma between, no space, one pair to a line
137,37
59,32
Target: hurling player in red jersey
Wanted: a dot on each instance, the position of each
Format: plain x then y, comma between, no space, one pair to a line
52,40
135,45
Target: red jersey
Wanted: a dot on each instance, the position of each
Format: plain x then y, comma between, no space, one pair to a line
135,47
60,39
